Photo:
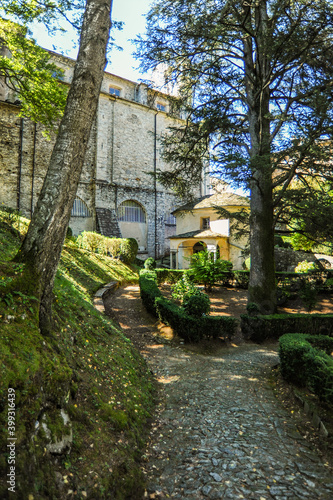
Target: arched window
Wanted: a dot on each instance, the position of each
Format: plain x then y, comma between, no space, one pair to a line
131,211
80,209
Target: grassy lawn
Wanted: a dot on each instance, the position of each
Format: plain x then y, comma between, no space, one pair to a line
88,369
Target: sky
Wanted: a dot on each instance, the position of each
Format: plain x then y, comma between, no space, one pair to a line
132,13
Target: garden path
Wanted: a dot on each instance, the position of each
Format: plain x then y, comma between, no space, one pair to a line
220,433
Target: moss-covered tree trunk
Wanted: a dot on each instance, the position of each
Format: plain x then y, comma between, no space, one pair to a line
262,288
41,248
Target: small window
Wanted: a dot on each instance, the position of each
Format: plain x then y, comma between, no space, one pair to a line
170,220
205,223
161,107
114,91
131,211
80,209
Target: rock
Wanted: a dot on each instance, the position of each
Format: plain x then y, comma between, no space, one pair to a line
58,446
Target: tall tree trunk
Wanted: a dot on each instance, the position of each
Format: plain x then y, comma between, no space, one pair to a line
262,288
41,248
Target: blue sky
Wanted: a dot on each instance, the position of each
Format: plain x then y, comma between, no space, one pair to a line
132,13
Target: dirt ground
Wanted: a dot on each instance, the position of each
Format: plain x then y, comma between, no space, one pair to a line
232,302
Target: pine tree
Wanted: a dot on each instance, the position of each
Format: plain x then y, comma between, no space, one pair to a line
255,77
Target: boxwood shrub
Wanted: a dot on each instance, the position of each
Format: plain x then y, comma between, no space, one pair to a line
260,328
188,327
306,361
123,248
191,328
169,275
149,290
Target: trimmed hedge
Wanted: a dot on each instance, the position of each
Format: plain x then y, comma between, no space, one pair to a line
191,328
168,275
260,328
305,361
186,326
123,248
149,290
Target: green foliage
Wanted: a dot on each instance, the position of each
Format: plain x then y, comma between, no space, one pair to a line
128,250
150,264
123,248
169,275
260,328
88,368
309,295
91,241
305,267
193,329
206,270
186,326
306,361
242,278
30,74
184,286
286,113
149,290
196,304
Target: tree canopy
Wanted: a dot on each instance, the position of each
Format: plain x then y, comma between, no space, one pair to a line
25,68
255,78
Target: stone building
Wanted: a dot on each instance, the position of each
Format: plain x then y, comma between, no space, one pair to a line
117,194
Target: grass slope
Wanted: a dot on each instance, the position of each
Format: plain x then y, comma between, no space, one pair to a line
88,369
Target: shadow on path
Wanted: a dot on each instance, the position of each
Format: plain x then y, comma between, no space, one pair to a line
220,433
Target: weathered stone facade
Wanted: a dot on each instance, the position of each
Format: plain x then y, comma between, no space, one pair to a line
123,152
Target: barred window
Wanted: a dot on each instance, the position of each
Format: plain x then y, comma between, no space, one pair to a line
131,211
80,209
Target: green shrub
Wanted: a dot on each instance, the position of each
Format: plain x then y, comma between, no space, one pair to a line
149,290
206,270
309,295
305,361
169,275
183,287
196,304
150,264
89,240
193,329
111,246
305,267
123,248
242,279
260,328
188,327
128,250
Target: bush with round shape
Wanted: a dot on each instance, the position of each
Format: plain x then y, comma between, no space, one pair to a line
196,304
128,250
150,264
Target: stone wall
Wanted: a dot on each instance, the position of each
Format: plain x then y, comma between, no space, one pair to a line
123,152
287,259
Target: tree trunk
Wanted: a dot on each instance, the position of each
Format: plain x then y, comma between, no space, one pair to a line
41,248
262,288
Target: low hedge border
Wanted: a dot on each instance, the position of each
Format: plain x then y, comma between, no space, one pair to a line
240,278
260,328
168,275
305,361
186,326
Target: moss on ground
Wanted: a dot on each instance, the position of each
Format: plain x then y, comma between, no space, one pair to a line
88,368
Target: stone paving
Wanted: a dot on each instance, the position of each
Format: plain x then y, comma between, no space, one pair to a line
220,433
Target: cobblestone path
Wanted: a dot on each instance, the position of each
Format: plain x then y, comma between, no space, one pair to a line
220,432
